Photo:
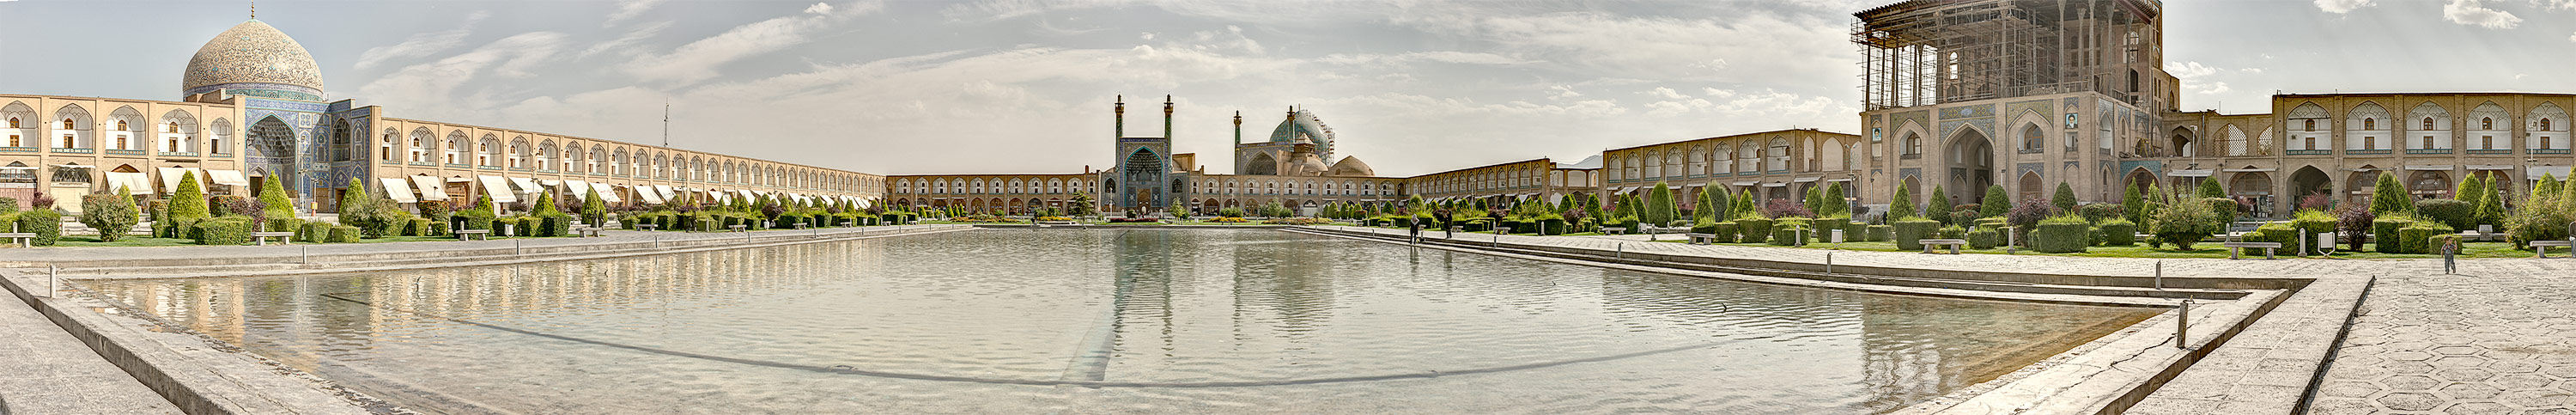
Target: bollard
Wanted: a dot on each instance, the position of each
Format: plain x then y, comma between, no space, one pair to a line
1621,252
2303,245
2160,274
304,255
514,247
2182,325
53,282
1829,262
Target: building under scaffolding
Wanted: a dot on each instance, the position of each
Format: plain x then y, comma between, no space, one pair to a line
1925,52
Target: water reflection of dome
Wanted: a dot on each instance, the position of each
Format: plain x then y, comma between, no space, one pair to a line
256,58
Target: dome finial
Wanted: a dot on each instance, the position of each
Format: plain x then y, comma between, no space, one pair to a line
254,9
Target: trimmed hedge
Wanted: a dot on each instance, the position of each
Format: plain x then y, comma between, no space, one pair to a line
45,223
1952,232
2062,234
2384,234
1753,230
2451,212
285,225
2311,222
555,225
1727,231
1790,234
2119,232
2275,232
1985,237
1910,233
315,232
344,234
226,231
2416,238
1876,233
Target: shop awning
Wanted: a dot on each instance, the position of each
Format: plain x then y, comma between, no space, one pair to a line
1775,185
2490,167
2189,173
1804,180
229,177
665,191
2429,167
648,195
1747,183
606,193
579,189
133,183
398,189
431,188
498,189
2554,172
526,185
170,178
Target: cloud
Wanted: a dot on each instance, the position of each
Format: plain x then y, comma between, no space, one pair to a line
2189,69
628,9
1747,47
1437,56
422,44
2475,13
1666,93
439,81
626,43
697,61
2342,6
2556,4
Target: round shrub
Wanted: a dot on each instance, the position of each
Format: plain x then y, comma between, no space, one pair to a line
2061,234
1910,233
2119,232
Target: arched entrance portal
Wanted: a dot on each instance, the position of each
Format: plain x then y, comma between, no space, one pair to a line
2253,192
2140,178
2031,189
1972,165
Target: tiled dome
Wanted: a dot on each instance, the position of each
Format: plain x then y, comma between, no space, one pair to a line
252,53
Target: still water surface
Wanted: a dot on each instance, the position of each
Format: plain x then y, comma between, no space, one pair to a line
1090,321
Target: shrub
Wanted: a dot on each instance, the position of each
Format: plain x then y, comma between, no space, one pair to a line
231,205
1754,230
1996,203
2414,238
2097,212
1952,232
8,205
1875,233
285,225
2452,212
344,234
2119,232
555,225
438,229
2387,196
2275,232
274,200
2354,222
2061,234
112,214
46,223
2310,223
2221,210
418,227
1966,216
2064,200
227,231
1789,233
2182,224
1800,223
2384,233
1911,232
436,211
315,232
1985,238
1728,231
2531,223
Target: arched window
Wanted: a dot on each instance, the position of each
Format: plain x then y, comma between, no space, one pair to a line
13,122
2030,137
2428,123
2544,124
2486,123
385,147
2369,123
1913,144
2311,125
120,125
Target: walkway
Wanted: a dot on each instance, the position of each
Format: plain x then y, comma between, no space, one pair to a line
44,370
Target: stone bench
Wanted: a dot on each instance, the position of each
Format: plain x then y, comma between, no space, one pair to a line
1702,238
592,231
1614,231
23,239
736,228
1954,244
283,238
648,226
2236,248
483,234
2540,249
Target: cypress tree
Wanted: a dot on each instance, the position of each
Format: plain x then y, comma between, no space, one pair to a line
1707,206
1814,201
1834,202
2388,197
1996,202
1938,207
545,205
1744,204
2134,203
188,205
1903,207
2065,199
274,202
2490,204
2209,188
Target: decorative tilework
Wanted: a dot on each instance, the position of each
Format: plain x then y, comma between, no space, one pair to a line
2014,110
1984,125
2024,168
1897,120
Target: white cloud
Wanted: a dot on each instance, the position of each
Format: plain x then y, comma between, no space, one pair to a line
2189,69
626,44
2556,4
2475,13
1753,46
628,9
2256,71
1437,56
438,82
2571,37
422,44
698,61
2342,6
1666,93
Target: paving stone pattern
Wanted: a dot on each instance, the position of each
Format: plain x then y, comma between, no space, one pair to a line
44,370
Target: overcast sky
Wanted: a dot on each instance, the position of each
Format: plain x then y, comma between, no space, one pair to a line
1017,86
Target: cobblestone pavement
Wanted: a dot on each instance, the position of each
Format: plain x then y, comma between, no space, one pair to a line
2499,339
44,370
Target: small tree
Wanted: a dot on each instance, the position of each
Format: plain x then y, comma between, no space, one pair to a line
1659,206
1835,198
593,210
1081,204
2388,197
112,214
2490,203
1708,206
2134,203
1903,207
1744,202
2065,198
2209,188
1996,202
188,205
1938,207
360,208
274,201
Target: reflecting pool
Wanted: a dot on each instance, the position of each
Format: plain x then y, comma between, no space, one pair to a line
1137,320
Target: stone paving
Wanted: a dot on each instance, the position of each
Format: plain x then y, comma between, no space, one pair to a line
2499,339
44,370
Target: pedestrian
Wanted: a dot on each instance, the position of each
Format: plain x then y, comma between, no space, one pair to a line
2451,256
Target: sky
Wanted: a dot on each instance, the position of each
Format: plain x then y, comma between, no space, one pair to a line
1023,86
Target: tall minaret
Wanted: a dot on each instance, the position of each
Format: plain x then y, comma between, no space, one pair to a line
1122,118
1167,116
1238,128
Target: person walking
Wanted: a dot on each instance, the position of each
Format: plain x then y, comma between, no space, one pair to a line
2450,256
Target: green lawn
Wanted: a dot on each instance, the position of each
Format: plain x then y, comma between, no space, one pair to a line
2209,249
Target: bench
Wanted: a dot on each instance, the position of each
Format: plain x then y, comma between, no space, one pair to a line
23,239
483,234
2540,249
735,228
1702,238
648,226
1954,244
283,238
588,231
1614,231
2235,248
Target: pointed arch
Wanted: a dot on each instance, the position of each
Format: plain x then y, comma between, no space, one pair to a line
2236,141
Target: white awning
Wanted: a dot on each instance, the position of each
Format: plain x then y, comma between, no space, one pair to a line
549,182
2555,172
526,185
665,191
17,168
1747,183
2249,170
648,195
498,189
398,189
1803,179
606,193
1838,180
229,177
170,178
2490,167
2429,167
133,183
579,189
431,188
1775,185
2189,173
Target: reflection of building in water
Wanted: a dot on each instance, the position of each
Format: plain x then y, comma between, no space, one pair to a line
220,307
1143,289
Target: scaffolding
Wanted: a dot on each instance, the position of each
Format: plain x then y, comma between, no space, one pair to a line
1926,52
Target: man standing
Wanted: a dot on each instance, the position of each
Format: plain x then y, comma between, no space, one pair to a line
2450,256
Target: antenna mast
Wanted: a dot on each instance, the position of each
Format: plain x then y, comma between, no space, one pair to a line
666,124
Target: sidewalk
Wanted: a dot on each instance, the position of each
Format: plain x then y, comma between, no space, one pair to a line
47,371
